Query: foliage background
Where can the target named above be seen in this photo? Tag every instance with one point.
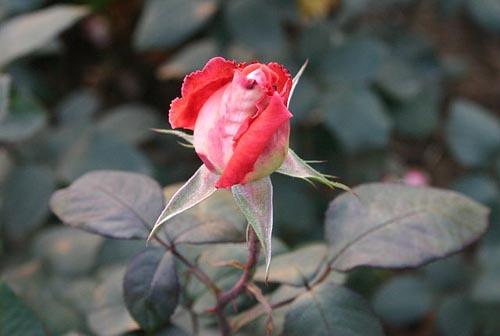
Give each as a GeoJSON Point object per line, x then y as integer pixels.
{"type": "Point", "coordinates": [394, 89]}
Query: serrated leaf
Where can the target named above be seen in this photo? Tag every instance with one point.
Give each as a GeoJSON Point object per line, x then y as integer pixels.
{"type": "Point", "coordinates": [255, 200]}
{"type": "Point", "coordinates": [114, 204]}
{"type": "Point", "coordinates": [151, 288]}
{"type": "Point", "coordinates": [200, 186]}
{"type": "Point", "coordinates": [15, 318]}
{"type": "Point", "coordinates": [328, 309]}
{"type": "Point", "coordinates": [166, 23]}
{"type": "Point", "coordinates": [26, 33]}
{"type": "Point", "coordinates": [393, 225]}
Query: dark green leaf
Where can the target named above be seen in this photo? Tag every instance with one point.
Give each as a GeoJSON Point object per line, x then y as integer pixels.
{"type": "Point", "coordinates": [403, 300]}
{"type": "Point", "coordinates": [15, 318]}
{"type": "Point", "coordinates": [130, 122]}
{"type": "Point", "coordinates": [472, 133]}
{"type": "Point", "coordinates": [329, 309]}
{"type": "Point", "coordinates": [350, 112]}
{"type": "Point", "coordinates": [67, 251]}
{"type": "Point", "coordinates": [151, 288]}
{"type": "Point", "coordinates": [398, 79]}
{"type": "Point", "coordinates": [296, 268]}
{"type": "Point", "coordinates": [78, 107]}
{"type": "Point", "coordinates": [418, 117]}
{"type": "Point", "coordinates": [108, 315]}
{"type": "Point", "coordinates": [110, 203]}
{"type": "Point", "coordinates": [485, 13]}
{"type": "Point", "coordinates": [166, 23]}
{"type": "Point", "coordinates": [4, 95]}
{"type": "Point", "coordinates": [357, 60]}
{"type": "Point", "coordinates": [26, 117]}
{"type": "Point", "coordinates": [393, 225]}
{"type": "Point", "coordinates": [250, 20]}
{"type": "Point", "coordinates": [26, 33]}
{"type": "Point", "coordinates": [456, 317]}
{"type": "Point", "coordinates": [98, 150]}
{"type": "Point", "coordinates": [26, 204]}
{"type": "Point", "coordinates": [480, 187]}
{"type": "Point", "coordinates": [190, 58]}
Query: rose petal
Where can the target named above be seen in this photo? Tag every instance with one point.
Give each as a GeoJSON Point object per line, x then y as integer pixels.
{"type": "Point", "coordinates": [284, 82]}
{"type": "Point", "coordinates": [253, 142]}
{"type": "Point", "coordinates": [197, 88]}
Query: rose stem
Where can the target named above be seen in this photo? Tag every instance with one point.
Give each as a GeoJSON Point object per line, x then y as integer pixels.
{"type": "Point", "coordinates": [224, 298]}
{"type": "Point", "coordinates": [198, 272]}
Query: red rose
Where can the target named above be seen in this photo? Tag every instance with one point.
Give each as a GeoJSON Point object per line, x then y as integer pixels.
{"type": "Point", "coordinates": [239, 116]}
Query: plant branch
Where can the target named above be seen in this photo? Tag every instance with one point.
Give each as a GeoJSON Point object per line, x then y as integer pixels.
{"type": "Point", "coordinates": [198, 272]}
{"type": "Point", "coordinates": [224, 298]}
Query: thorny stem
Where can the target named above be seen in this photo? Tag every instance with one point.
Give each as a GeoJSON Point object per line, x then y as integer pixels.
{"type": "Point", "coordinates": [224, 298]}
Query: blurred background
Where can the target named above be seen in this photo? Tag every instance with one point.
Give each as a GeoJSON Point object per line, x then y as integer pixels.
{"type": "Point", "coordinates": [395, 90]}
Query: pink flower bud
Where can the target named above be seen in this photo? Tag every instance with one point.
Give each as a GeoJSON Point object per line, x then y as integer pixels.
{"type": "Point", "coordinates": [239, 117]}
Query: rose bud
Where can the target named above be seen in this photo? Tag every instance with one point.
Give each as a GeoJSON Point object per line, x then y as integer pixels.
{"type": "Point", "coordinates": [239, 116]}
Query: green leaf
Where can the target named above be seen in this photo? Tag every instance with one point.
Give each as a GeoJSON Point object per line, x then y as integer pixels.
{"type": "Point", "coordinates": [486, 13]}
{"type": "Point", "coordinates": [96, 150]}
{"type": "Point", "coordinates": [130, 122]}
{"type": "Point", "coordinates": [108, 315]}
{"type": "Point", "coordinates": [151, 288]}
{"type": "Point", "coordinates": [296, 268]}
{"type": "Point", "coordinates": [215, 220]}
{"type": "Point", "coordinates": [399, 79]}
{"type": "Point", "coordinates": [393, 225]}
{"type": "Point", "coordinates": [349, 112]}
{"type": "Point", "coordinates": [4, 95]}
{"type": "Point", "coordinates": [456, 316]}
{"type": "Point", "coordinates": [67, 251]}
{"type": "Point", "coordinates": [191, 58]}
{"type": "Point", "coordinates": [26, 203]}
{"type": "Point", "coordinates": [328, 309]}
{"type": "Point", "coordinates": [113, 204]}
{"type": "Point", "coordinates": [403, 300]}
{"type": "Point", "coordinates": [78, 107]}
{"type": "Point", "coordinates": [166, 23]}
{"type": "Point", "coordinates": [25, 119]}
{"type": "Point", "coordinates": [26, 33]}
{"type": "Point", "coordinates": [480, 187]}
{"type": "Point", "coordinates": [472, 133]}
{"type": "Point", "coordinates": [256, 25]}
{"type": "Point", "coordinates": [418, 117]}
{"type": "Point", "coordinates": [199, 187]}
{"type": "Point", "coordinates": [255, 200]}
{"type": "Point", "coordinates": [356, 61]}
{"type": "Point", "coordinates": [15, 318]}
